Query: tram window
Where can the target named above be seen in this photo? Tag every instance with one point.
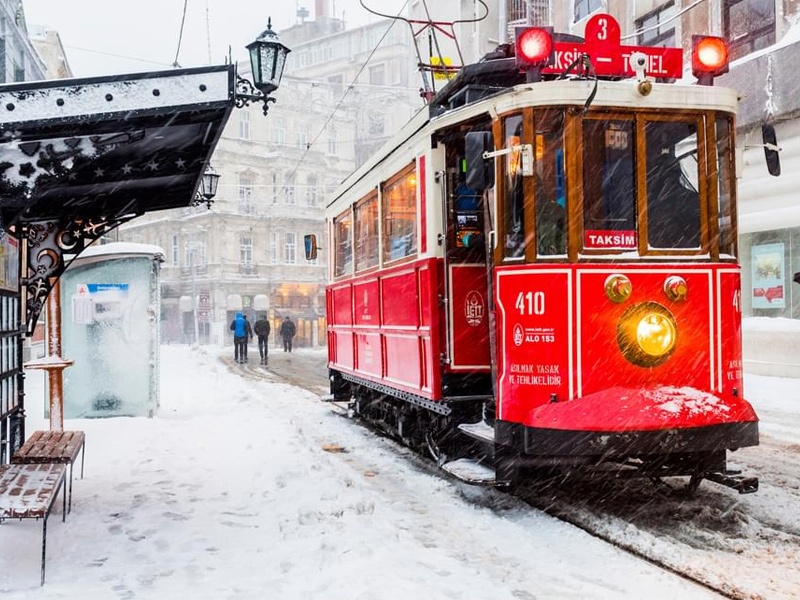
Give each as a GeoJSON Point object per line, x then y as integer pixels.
{"type": "Point", "coordinates": [725, 187]}
{"type": "Point", "coordinates": [400, 216]}
{"type": "Point", "coordinates": [366, 214]}
{"type": "Point", "coordinates": [551, 187]}
{"type": "Point", "coordinates": [673, 203]}
{"type": "Point", "coordinates": [343, 260]}
{"type": "Point", "coordinates": [514, 242]}
{"type": "Point", "coordinates": [609, 184]}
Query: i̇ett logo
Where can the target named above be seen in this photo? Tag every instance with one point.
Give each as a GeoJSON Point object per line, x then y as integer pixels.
{"type": "Point", "coordinates": [519, 334]}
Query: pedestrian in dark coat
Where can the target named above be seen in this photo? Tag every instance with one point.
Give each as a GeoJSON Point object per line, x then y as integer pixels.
{"type": "Point", "coordinates": [239, 327]}
{"type": "Point", "coordinates": [288, 330]}
{"type": "Point", "coordinates": [261, 329]}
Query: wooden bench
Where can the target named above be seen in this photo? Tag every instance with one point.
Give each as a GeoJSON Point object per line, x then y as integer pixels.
{"type": "Point", "coordinates": [29, 492]}
{"type": "Point", "coordinates": [58, 447]}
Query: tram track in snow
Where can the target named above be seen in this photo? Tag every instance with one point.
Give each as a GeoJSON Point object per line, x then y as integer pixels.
{"type": "Point", "coordinates": [602, 516]}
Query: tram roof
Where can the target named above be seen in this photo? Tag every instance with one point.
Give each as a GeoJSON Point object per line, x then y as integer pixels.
{"type": "Point", "coordinates": [610, 95]}
{"type": "Point", "coordinates": [109, 146]}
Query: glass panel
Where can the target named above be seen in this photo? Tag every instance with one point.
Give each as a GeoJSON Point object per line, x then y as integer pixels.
{"type": "Point", "coordinates": [343, 260]}
{"type": "Point", "coordinates": [367, 233]}
{"type": "Point", "coordinates": [514, 198]}
{"type": "Point", "coordinates": [673, 203]}
{"type": "Point", "coordinates": [725, 155]}
{"type": "Point", "coordinates": [399, 218]}
{"type": "Point", "coordinates": [551, 187]}
{"type": "Point", "coordinates": [609, 184]}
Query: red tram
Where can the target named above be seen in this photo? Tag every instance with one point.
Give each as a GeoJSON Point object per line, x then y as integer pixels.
{"type": "Point", "coordinates": [540, 270]}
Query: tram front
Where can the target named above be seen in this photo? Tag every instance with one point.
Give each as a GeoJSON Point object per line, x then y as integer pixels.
{"type": "Point", "coordinates": [616, 281]}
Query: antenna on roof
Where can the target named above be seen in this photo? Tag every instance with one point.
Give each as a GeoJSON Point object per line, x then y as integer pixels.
{"type": "Point", "coordinates": [439, 66]}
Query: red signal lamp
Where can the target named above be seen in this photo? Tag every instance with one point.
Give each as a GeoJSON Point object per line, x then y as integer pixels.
{"type": "Point", "coordinates": [709, 58]}
{"type": "Point", "coordinates": [534, 50]}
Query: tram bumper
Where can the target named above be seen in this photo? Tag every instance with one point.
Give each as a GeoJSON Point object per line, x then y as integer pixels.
{"type": "Point", "coordinates": [620, 423]}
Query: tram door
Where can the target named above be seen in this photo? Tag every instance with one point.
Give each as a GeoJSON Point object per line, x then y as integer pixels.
{"type": "Point", "coordinates": [465, 266]}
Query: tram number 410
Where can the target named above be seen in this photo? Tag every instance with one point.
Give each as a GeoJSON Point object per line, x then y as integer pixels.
{"type": "Point", "coordinates": [531, 303]}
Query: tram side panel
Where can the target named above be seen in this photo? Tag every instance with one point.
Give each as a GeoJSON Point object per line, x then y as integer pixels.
{"type": "Point", "coordinates": [385, 328]}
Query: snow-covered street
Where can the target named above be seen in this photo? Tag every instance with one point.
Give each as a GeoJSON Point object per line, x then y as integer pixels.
{"type": "Point", "coordinates": [248, 489]}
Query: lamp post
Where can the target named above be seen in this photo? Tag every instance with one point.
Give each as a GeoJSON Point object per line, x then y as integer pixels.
{"type": "Point", "coordinates": [208, 187]}
{"type": "Point", "coordinates": [267, 59]}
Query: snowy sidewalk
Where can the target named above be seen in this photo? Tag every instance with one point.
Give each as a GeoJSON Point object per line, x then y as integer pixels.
{"type": "Point", "coordinates": [228, 493]}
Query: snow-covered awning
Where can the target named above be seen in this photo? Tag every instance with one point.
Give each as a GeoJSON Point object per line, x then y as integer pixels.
{"type": "Point", "coordinates": [80, 156]}
{"type": "Point", "coordinates": [109, 146]}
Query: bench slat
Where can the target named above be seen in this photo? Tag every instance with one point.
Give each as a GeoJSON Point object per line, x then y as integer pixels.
{"type": "Point", "coordinates": [27, 490]}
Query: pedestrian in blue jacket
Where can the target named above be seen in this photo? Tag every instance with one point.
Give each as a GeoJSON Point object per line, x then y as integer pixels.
{"type": "Point", "coordinates": [239, 327]}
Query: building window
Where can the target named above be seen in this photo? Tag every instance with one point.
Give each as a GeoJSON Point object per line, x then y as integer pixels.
{"type": "Point", "coordinates": [290, 248]}
{"type": "Point", "coordinates": [749, 25]}
{"type": "Point", "coordinates": [376, 123]}
{"type": "Point", "coordinates": [279, 130]}
{"type": "Point", "coordinates": [655, 29]}
{"type": "Point", "coordinates": [400, 216]}
{"type": "Point", "coordinates": [331, 141]}
{"type": "Point", "coordinates": [273, 247]}
{"type": "Point", "coordinates": [377, 75]}
{"type": "Point", "coordinates": [540, 11]}
{"type": "Point", "coordinates": [288, 188]}
{"type": "Point", "coordinates": [311, 190]}
{"type": "Point", "coordinates": [301, 136]}
{"type": "Point", "coordinates": [246, 205]}
{"type": "Point", "coordinates": [244, 124]}
{"type": "Point", "coordinates": [274, 188]}
{"type": "Point", "coordinates": [583, 8]}
{"type": "Point", "coordinates": [176, 250]}
{"type": "Point", "coordinates": [246, 250]}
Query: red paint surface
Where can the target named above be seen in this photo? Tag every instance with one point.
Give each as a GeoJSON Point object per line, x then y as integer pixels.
{"type": "Point", "coordinates": [470, 317]}
{"type": "Point", "coordinates": [392, 328]}
{"type": "Point", "coordinates": [635, 409]}
{"type": "Point", "coordinates": [708, 347]}
{"type": "Point", "coordinates": [533, 342]}
{"type": "Point", "coordinates": [730, 327]}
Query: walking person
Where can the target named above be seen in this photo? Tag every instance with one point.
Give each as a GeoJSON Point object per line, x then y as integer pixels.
{"type": "Point", "coordinates": [248, 331]}
{"type": "Point", "coordinates": [288, 330]}
{"type": "Point", "coordinates": [239, 328]}
{"type": "Point", "coordinates": [261, 329]}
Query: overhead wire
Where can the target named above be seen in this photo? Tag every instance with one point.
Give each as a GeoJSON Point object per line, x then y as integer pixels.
{"type": "Point", "coordinates": [180, 35]}
{"type": "Point", "coordinates": [662, 23]}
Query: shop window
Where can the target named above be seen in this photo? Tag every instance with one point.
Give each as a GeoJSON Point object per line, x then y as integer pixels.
{"type": "Point", "coordinates": [366, 214]}
{"type": "Point", "coordinates": [400, 216]}
{"type": "Point", "coordinates": [749, 25]}
{"type": "Point", "coordinates": [343, 242]}
{"type": "Point", "coordinates": [657, 30]}
{"type": "Point", "coordinates": [673, 201]}
{"type": "Point", "coordinates": [513, 198]}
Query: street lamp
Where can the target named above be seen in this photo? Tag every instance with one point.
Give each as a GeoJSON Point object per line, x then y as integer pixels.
{"type": "Point", "coordinates": [267, 59]}
{"type": "Point", "coordinates": [208, 187]}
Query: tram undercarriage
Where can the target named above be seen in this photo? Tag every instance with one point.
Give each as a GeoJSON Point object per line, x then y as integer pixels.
{"type": "Point", "coordinates": [464, 440]}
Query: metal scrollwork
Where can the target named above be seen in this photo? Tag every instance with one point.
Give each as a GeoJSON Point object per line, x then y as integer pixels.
{"type": "Point", "coordinates": [246, 93]}
{"type": "Point", "coordinates": [47, 243]}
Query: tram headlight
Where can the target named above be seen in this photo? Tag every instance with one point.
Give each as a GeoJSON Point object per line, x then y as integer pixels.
{"type": "Point", "coordinates": [647, 334]}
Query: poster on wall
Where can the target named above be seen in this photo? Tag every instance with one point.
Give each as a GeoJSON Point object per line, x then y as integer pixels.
{"type": "Point", "coordinates": [9, 263]}
{"type": "Point", "coordinates": [768, 276]}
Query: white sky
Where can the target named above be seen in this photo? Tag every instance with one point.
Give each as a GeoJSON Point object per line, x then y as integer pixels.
{"type": "Point", "coordinates": [147, 30]}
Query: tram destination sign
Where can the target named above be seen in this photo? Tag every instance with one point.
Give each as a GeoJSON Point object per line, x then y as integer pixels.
{"type": "Point", "coordinates": [610, 58]}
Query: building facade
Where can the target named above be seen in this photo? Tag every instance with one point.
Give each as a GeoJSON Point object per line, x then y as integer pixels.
{"type": "Point", "coordinates": [19, 60]}
{"type": "Point", "coordinates": [246, 252]}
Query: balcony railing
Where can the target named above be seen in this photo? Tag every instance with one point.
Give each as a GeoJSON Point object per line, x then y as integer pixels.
{"type": "Point", "coordinates": [248, 270]}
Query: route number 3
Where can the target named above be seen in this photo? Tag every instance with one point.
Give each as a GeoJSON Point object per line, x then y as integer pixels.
{"type": "Point", "coordinates": [531, 303]}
